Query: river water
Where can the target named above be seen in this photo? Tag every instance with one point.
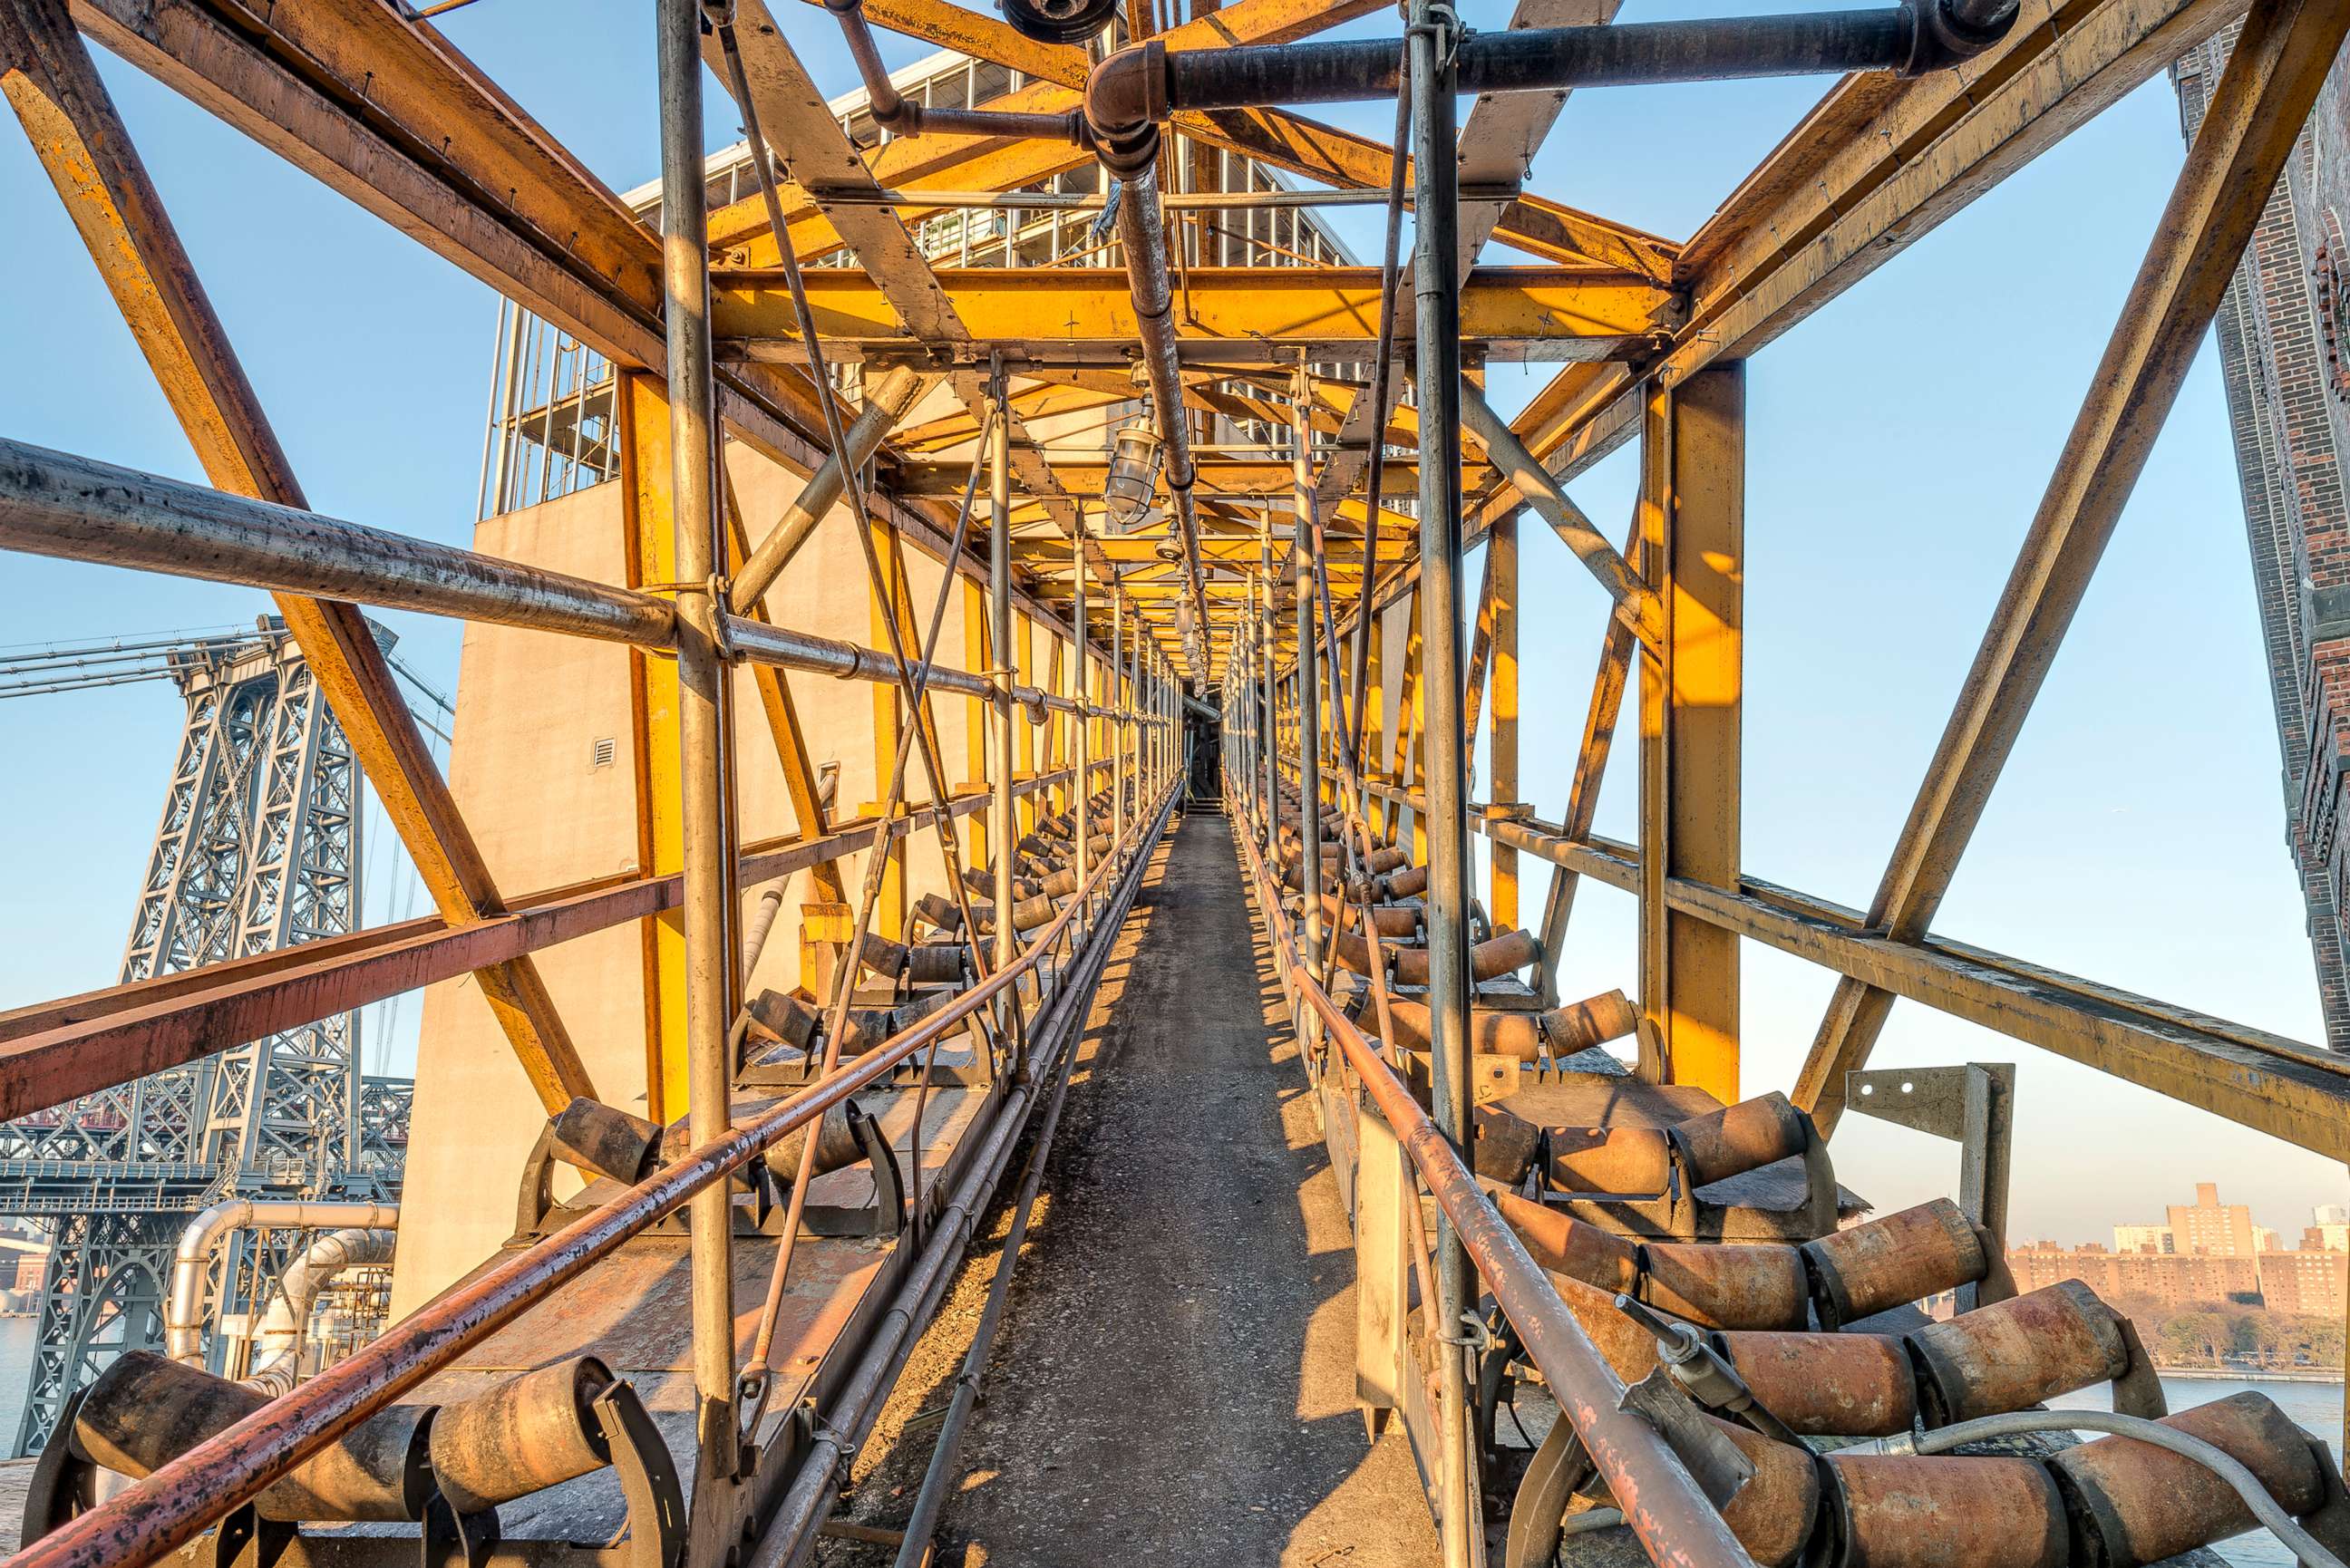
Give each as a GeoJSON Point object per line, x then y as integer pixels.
{"type": "Point", "coordinates": [2316, 1406]}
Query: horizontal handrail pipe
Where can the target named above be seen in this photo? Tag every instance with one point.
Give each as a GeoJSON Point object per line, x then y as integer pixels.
{"type": "Point", "coordinates": [76, 508]}
{"type": "Point", "coordinates": [1670, 1514]}
{"type": "Point", "coordinates": [178, 1502]}
{"type": "Point", "coordinates": [51, 1052]}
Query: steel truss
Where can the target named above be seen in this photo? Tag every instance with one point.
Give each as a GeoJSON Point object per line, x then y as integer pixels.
{"type": "Point", "coordinates": [714, 335]}
{"type": "Point", "coordinates": [257, 850]}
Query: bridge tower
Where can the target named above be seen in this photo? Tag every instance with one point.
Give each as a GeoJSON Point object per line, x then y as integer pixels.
{"type": "Point", "coordinates": [258, 848]}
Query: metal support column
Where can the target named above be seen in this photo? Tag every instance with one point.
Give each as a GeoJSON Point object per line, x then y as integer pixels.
{"type": "Point", "coordinates": [1437, 324]}
{"type": "Point", "coordinates": [708, 861]}
{"type": "Point", "coordinates": [999, 609]}
{"type": "Point", "coordinates": [1309, 682]}
{"type": "Point", "coordinates": [1081, 796]}
{"type": "Point", "coordinates": [1692, 540]}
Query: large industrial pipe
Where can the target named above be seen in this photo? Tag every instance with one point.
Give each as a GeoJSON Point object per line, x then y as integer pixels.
{"type": "Point", "coordinates": [1142, 234]}
{"type": "Point", "coordinates": [184, 1314]}
{"type": "Point", "coordinates": [77, 509]}
{"type": "Point", "coordinates": [1143, 84]}
{"type": "Point", "coordinates": [279, 1341]}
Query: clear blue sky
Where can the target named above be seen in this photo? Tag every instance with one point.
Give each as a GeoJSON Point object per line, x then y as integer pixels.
{"type": "Point", "coordinates": [1900, 440]}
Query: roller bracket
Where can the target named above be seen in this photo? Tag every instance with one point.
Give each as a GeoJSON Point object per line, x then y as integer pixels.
{"type": "Point", "coordinates": [1713, 1461]}
{"type": "Point", "coordinates": [648, 1479]}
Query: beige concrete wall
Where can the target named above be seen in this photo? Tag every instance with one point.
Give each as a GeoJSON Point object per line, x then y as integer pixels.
{"type": "Point", "coordinates": [530, 709]}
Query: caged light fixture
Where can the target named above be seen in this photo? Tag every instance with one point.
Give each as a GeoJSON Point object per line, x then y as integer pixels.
{"type": "Point", "coordinates": [1132, 482]}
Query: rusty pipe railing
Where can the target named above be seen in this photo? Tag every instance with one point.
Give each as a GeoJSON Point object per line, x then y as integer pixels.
{"type": "Point", "coordinates": [1674, 1522]}
{"type": "Point", "coordinates": [179, 1501]}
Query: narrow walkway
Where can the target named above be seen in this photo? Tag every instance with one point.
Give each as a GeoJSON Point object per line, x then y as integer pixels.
{"type": "Point", "coordinates": [1174, 1381]}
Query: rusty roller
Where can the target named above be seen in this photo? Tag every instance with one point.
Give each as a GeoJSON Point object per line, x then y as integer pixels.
{"type": "Point", "coordinates": [836, 1146]}
{"type": "Point", "coordinates": [1504, 1145]}
{"type": "Point", "coordinates": [938, 909]}
{"type": "Point", "coordinates": [1578, 1026]}
{"type": "Point", "coordinates": [2011, 1354]}
{"type": "Point", "coordinates": [1594, 1021]}
{"type": "Point", "coordinates": [1826, 1384]}
{"type": "Point", "coordinates": [1741, 1137]}
{"type": "Point", "coordinates": [935, 963]}
{"type": "Point", "coordinates": [1405, 882]}
{"type": "Point", "coordinates": [1775, 1513]}
{"type": "Point", "coordinates": [1489, 959]}
{"type": "Point", "coordinates": [145, 1411]}
{"type": "Point", "coordinates": [1029, 914]}
{"type": "Point", "coordinates": [1627, 1346]}
{"type": "Point", "coordinates": [1623, 1161]}
{"type": "Point", "coordinates": [1756, 1286]}
{"type": "Point", "coordinates": [1954, 1512]}
{"type": "Point", "coordinates": [529, 1433]}
{"type": "Point", "coordinates": [1567, 1246]}
{"type": "Point", "coordinates": [1886, 1263]}
{"type": "Point", "coordinates": [2135, 1503]}
{"type": "Point", "coordinates": [1393, 921]}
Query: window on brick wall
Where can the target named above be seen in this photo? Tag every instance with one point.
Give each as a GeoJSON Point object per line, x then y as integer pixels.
{"type": "Point", "coordinates": [2333, 313]}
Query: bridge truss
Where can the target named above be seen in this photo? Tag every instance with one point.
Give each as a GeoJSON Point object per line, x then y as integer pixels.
{"type": "Point", "coordinates": [1257, 578]}
{"type": "Point", "coordinates": [257, 850]}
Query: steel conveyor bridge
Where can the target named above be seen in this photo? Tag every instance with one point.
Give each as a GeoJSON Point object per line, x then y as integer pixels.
{"type": "Point", "coordinates": [969, 692]}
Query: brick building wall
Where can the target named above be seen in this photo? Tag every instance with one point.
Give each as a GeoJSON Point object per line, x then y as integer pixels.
{"type": "Point", "coordinates": [2283, 332]}
{"type": "Point", "coordinates": [2176, 1280]}
{"type": "Point", "coordinates": [2313, 1284]}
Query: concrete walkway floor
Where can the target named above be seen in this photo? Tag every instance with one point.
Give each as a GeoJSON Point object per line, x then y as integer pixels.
{"type": "Point", "coordinates": [1174, 1379]}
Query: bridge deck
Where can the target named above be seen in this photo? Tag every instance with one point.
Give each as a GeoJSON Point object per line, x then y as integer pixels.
{"type": "Point", "coordinates": [1176, 1369]}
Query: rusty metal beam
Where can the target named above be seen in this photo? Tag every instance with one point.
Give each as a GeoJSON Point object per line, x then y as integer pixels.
{"type": "Point", "coordinates": [53, 1051]}
{"type": "Point", "coordinates": [2256, 114]}
{"type": "Point", "coordinates": [69, 117]}
{"type": "Point", "coordinates": [1879, 163]}
{"type": "Point", "coordinates": [2283, 1087]}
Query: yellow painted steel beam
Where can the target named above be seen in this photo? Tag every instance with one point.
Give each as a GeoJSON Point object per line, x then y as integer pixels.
{"type": "Point", "coordinates": [1879, 163]}
{"type": "Point", "coordinates": [50, 81]}
{"type": "Point", "coordinates": [2256, 115]}
{"type": "Point", "coordinates": [1692, 532]}
{"type": "Point", "coordinates": [1242, 313]}
{"type": "Point", "coordinates": [649, 536]}
{"type": "Point", "coordinates": [990, 163]}
{"type": "Point", "coordinates": [2285, 1089]}
{"type": "Point", "coordinates": [1083, 473]}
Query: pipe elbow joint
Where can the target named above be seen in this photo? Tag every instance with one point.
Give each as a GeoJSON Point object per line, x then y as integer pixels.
{"type": "Point", "coordinates": [1125, 98]}
{"type": "Point", "coordinates": [1945, 33]}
